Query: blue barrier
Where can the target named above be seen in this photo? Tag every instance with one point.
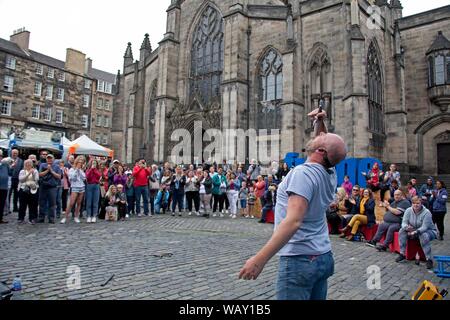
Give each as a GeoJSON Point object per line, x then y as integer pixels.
{"type": "Point", "coordinates": [351, 167]}
{"type": "Point", "coordinates": [347, 168]}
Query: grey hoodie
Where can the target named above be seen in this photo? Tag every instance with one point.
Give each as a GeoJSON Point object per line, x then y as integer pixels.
{"type": "Point", "coordinates": [422, 221]}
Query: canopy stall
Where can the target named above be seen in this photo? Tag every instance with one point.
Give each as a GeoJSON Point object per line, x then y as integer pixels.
{"type": "Point", "coordinates": [38, 140]}
{"type": "Point", "coordinates": [4, 144]}
{"type": "Point", "coordinates": [85, 146]}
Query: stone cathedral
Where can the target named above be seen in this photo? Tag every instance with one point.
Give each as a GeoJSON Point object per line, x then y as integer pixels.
{"type": "Point", "coordinates": [384, 79]}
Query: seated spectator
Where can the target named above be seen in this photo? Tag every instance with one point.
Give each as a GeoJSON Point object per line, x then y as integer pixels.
{"type": "Point", "coordinates": [121, 202]}
{"type": "Point", "coordinates": [417, 224]}
{"type": "Point", "coordinates": [347, 185]}
{"type": "Point", "coordinates": [412, 192]}
{"type": "Point", "coordinates": [162, 199]}
{"type": "Point", "coordinates": [110, 204]}
{"type": "Point", "coordinates": [353, 205]}
{"type": "Point", "coordinates": [391, 222]}
{"type": "Point", "coordinates": [270, 199]}
{"type": "Point", "coordinates": [366, 215]}
{"type": "Point", "coordinates": [338, 209]}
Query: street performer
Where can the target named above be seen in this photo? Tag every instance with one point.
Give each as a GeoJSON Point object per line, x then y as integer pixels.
{"type": "Point", "coordinates": [301, 233]}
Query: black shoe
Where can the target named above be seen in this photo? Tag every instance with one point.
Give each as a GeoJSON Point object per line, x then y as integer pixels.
{"type": "Point", "coordinates": [261, 221]}
{"type": "Point", "coordinates": [51, 221]}
{"type": "Point", "coordinates": [381, 248]}
{"type": "Point", "coordinates": [441, 238]}
{"type": "Point", "coordinates": [40, 221]}
{"type": "Point", "coordinates": [3, 222]}
{"type": "Point", "coordinates": [429, 264]}
{"type": "Point", "coordinates": [400, 258]}
{"type": "Point", "coordinates": [417, 262]}
{"type": "Point", "coordinates": [371, 243]}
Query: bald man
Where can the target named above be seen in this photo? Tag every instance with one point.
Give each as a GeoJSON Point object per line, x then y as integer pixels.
{"type": "Point", "coordinates": [301, 233]}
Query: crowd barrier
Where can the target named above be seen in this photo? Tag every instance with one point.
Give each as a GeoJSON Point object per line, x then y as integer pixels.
{"type": "Point", "coordinates": [352, 167]}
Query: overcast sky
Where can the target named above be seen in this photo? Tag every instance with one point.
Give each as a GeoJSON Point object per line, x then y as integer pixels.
{"type": "Point", "coordinates": [102, 28]}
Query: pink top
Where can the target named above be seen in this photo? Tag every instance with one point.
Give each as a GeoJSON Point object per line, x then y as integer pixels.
{"type": "Point", "coordinates": [65, 179]}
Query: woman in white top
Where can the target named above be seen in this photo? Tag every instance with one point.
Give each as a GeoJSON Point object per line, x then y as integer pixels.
{"type": "Point", "coordinates": [28, 192]}
{"type": "Point", "coordinates": [192, 193]}
{"type": "Point", "coordinates": [77, 177]}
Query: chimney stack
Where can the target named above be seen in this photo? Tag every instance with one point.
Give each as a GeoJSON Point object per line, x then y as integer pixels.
{"type": "Point", "coordinates": [75, 61]}
{"type": "Point", "coordinates": [88, 66]}
{"type": "Point", "coordinates": [21, 37]}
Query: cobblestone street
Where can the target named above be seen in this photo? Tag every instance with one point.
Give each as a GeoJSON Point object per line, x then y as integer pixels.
{"type": "Point", "coordinates": [206, 258]}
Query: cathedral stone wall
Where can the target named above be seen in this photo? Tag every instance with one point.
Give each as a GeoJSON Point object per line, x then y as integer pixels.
{"type": "Point", "coordinates": [332, 36]}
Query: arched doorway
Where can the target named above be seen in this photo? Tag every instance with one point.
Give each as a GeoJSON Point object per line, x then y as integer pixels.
{"type": "Point", "coordinates": [443, 152]}
{"type": "Point", "coordinates": [443, 158]}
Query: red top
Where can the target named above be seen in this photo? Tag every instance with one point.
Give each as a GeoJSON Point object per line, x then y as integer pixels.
{"type": "Point", "coordinates": [141, 176]}
{"type": "Point", "coordinates": [260, 189]}
{"type": "Point", "coordinates": [93, 176]}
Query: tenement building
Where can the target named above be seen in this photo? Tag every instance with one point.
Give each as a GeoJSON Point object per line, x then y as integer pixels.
{"type": "Point", "coordinates": [384, 79]}
{"type": "Point", "coordinates": [47, 94]}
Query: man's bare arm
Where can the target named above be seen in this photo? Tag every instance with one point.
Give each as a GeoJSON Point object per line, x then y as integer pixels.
{"type": "Point", "coordinates": [296, 210]}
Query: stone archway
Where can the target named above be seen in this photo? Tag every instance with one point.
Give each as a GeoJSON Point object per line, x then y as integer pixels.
{"type": "Point", "coordinates": [443, 152]}
{"type": "Point", "coordinates": [430, 134]}
{"type": "Point", "coordinates": [191, 124]}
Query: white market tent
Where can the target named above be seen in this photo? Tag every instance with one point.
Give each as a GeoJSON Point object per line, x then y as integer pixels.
{"type": "Point", "coordinates": [4, 143]}
{"type": "Point", "coordinates": [85, 146]}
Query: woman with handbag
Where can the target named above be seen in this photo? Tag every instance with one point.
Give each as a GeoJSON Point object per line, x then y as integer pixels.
{"type": "Point", "coordinates": [28, 195]}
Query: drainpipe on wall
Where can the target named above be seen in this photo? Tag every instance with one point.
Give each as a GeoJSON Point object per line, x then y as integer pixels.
{"type": "Point", "coordinates": [247, 160]}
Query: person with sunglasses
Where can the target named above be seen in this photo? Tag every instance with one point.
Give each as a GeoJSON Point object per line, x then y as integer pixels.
{"type": "Point", "coordinates": [301, 236]}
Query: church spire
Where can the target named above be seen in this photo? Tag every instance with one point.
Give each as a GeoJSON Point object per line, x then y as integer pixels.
{"type": "Point", "coordinates": [146, 49]}
{"type": "Point", "coordinates": [396, 4]}
{"type": "Point", "coordinates": [128, 57]}
{"type": "Point", "coordinates": [146, 43]}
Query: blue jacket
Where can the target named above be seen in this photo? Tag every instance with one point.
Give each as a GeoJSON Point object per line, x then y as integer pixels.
{"type": "Point", "coordinates": [440, 201]}
{"type": "Point", "coordinates": [159, 198]}
{"type": "Point", "coordinates": [5, 173]}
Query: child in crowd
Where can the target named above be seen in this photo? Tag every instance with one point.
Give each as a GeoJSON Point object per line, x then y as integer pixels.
{"type": "Point", "coordinates": [243, 193]}
{"type": "Point", "coordinates": [129, 190]}
{"type": "Point", "coordinates": [111, 204]}
{"type": "Point", "coordinates": [162, 199]}
{"type": "Point", "coordinates": [121, 200]}
{"type": "Point", "coordinates": [251, 200]}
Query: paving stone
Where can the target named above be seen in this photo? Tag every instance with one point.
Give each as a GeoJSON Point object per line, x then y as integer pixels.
{"type": "Point", "coordinates": [207, 257]}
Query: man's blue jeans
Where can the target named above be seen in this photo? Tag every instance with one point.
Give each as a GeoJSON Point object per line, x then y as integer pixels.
{"type": "Point", "coordinates": [47, 203]}
{"type": "Point", "coordinates": [304, 277]}
{"type": "Point", "coordinates": [92, 200]}
{"type": "Point", "coordinates": [138, 191]}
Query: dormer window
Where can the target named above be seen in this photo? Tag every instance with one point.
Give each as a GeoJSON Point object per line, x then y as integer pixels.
{"type": "Point", "coordinates": [439, 62]}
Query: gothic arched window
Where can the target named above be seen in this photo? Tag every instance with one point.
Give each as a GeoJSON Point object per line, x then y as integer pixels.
{"type": "Point", "coordinates": [271, 76]}
{"type": "Point", "coordinates": [207, 56]}
{"type": "Point", "coordinates": [375, 88]}
{"type": "Point", "coordinates": [271, 90]}
{"type": "Point", "coordinates": [320, 73]}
